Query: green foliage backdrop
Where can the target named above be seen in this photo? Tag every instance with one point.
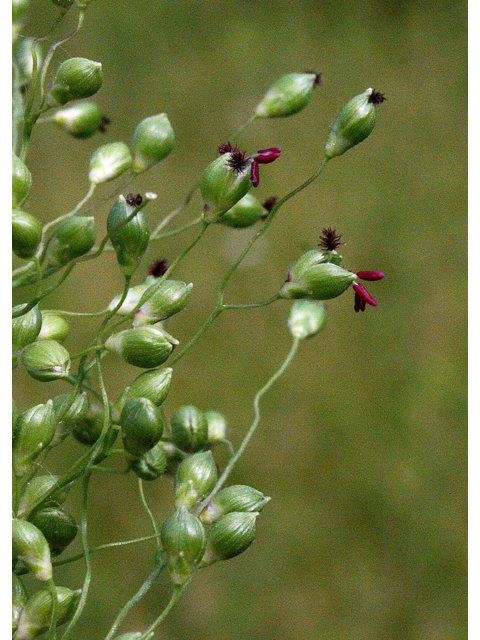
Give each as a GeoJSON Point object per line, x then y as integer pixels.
{"type": "Point", "coordinates": [363, 442]}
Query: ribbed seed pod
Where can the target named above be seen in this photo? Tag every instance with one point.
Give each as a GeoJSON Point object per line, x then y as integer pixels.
{"type": "Point", "coordinates": [26, 234]}
{"type": "Point", "coordinates": [142, 426]}
{"type": "Point", "coordinates": [37, 613]}
{"type": "Point", "coordinates": [26, 328]}
{"type": "Point", "coordinates": [58, 527]}
{"type": "Point", "coordinates": [87, 430]}
{"type": "Point", "coordinates": [21, 181]}
{"type": "Point", "coordinates": [71, 407]}
{"type": "Point", "coordinates": [80, 120]}
{"type": "Point", "coordinates": [34, 495]}
{"type": "Point", "coordinates": [246, 212]}
{"type": "Point", "coordinates": [108, 162]}
{"type": "Point", "coordinates": [306, 318]}
{"type": "Point", "coordinates": [169, 298]}
{"type": "Point", "coordinates": [130, 239]}
{"type": "Point", "coordinates": [35, 430]}
{"type": "Point", "coordinates": [153, 384]}
{"type": "Point", "coordinates": [19, 598]}
{"type": "Point", "coordinates": [311, 259]}
{"type": "Point", "coordinates": [232, 534]}
{"type": "Point", "coordinates": [152, 141]}
{"type": "Point", "coordinates": [183, 542]}
{"type": "Point", "coordinates": [46, 360]}
{"type": "Point", "coordinates": [145, 347]}
{"type": "Point", "coordinates": [30, 547]}
{"type": "Point", "coordinates": [76, 78]}
{"type": "Point", "coordinates": [54, 327]}
{"type": "Point", "coordinates": [238, 497]}
{"type": "Point", "coordinates": [320, 282]}
{"type": "Point", "coordinates": [222, 185]}
{"type": "Point", "coordinates": [195, 478]}
{"type": "Point", "coordinates": [71, 239]}
{"type": "Point", "coordinates": [152, 464]}
{"type": "Point", "coordinates": [287, 95]}
{"type": "Point", "coordinates": [189, 428]}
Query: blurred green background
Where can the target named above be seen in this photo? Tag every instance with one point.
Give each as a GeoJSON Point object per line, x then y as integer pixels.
{"type": "Point", "coordinates": [362, 444]}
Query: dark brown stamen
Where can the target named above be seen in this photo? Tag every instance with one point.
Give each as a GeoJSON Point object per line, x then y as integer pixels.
{"type": "Point", "coordinates": [329, 239]}
{"type": "Point", "coordinates": [237, 160]}
{"type": "Point", "coordinates": [134, 200]}
{"type": "Point", "coordinates": [376, 97]}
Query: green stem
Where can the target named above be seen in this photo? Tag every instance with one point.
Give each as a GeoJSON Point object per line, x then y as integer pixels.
{"type": "Point", "coordinates": [244, 125]}
{"type": "Point", "coordinates": [53, 616]}
{"type": "Point", "coordinates": [151, 517]}
{"type": "Point", "coordinates": [176, 211]}
{"type": "Point", "coordinates": [175, 232]}
{"type": "Point", "coordinates": [253, 305]}
{"type": "Point", "coordinates": [176, 595]}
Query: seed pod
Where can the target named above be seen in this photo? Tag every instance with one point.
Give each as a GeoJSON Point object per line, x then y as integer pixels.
{"type": "Point", "coordinates": [34, 495]}
{"type": "Point", "coordinates": [354, 122]}
{"type": "Point", "coordinates": [71, 239]}
{"type": "Point", "coordinates": [216, 426]}
{"type": "Point", "coordinates": [229, 536]}
{"type": "Point", "coordinates": [30, 547]}
{"type": "Point", "coordinates": [152, 464]}
{"type": "Point", "coordinates": [25, 329]}
{"type": "Point", "coordinates": [37, 613]}
{"type": "Point", "coordinates": [76, 78]}
{"type": "Point", "coordinates": [19, 598]}
{"type": "Point", "coordinates": [169, 298]}
{"type": "Point", "coordinates": [189, 428]}
{"type": "Point", "coordinates": [287, 95]}
{"type": "Point", "coordinates": [54, 327]}
{"type": "Point", "coordinates": [46, 360]}
{"type": "Point", "coordinates": [109, 162]}
{"type": "Point", "coordinates": [71, 407]}
{"type": "Point", "coordinates": [21, 181]}
{"type": "Point", "coordinates": [58, 527]}
{"type": "Point", "coordinates": [142, 426]}
{"type": "Point", "coordinates": [132, 298]}
{"type": "Point", "coordinates": [238, 498]}
{"type": "Point", "coordinates": [183, 542]}
{"type": "Point", "coordinates": [145, 347]}
{"type": "Point", "coordinates": [80, 120]}
{"type": "Point", "coordinates": [26, 233]}
{"type": "Point", "coordinates": [130, 239]}
{"type": "Point", "coordinates": [152, 141]}
{"type": "Point", "coordinates": [153, 384]}
{"type": "Point", "coordinates": [306, 318]}
{"type": "Point", "coordinates": [35, 431]}
{"type": "Point", "coordinates": [245, 213]}
{"type": "Point", "coordinates": [195, 478]}
{"type": "Point", "coordinates": [310, 259]}
{"type": "Point", "coordinates": [320, 282]}
{"type": "Point", "coordinates": [223, 185]}
{"type": "Point", "coordinates": [88, 429]}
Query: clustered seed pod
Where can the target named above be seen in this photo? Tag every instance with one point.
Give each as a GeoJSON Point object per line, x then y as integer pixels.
{"type": "Point", "coordinates": [30, 547]}
{"type": "Point", "coordinates": [195, 478]}
{"type": "Point", "coordinates": [216, 426]}
{"type": "Point", "coordinates": [152, 464]}
{"type": "Point", "coordinates": [26, 328]}
{"type": "Point", "coordinates": [169, 298]}
{"type": "Point", "coordinates": [37, 613]}
{"type": "Point", "coordinates": [35, 430]}
{"type": "Point", "coordinates": [129, 239]}
{"type": "Point", "coordinates": [246, 212]}
{"type": "Point", "coordinates": [288, 95]}
{"type": "Point", "coordinates": [237, 497]}
{"type": "Point", "coordinates": [306, 318]}
{"type": "Point", "coordinates": [142, 426]}
{"type": "Point", "coordinates": [152, 141]}
{"type": "Point", "coordinates": [183, 542]}
{"type": "Point", "coordinates": [80, 120]}
{"type": "Point", "coordinates": [34, 495]}
{"type": "Point", "coordinates": [46, 360]}
{"type": "Point", "coordinates": [88, 428]}
{"type": "Point", "coordinates": [320, 281]}
{"type": "Point", "coordinates": [109, 162]}
{"type": "Point", "coordinates": [19, 598]}
{"type": "Point", "coordinates": [58, 527]}
{"type": "Point", "coordinates": [54, 327]}
{"type": "Point", "coordinates": [223, 185]}
{"type": "Point", "coordinates": [21, 181]}
{"type": "Point", "coordinates": [71, 239]}
{"type": "Point", "coordinates": [232, 534]}
{"type": "Point", "coordinates": [189, 428]}
{"type": "Point", "coordinates": [76, 78]}
{"type": "Point", "coordinates": [145, 347]}
{"type": "Point", "coordinates": [26, 233]}
{"type": "Point", "coordinates": [153, 384]}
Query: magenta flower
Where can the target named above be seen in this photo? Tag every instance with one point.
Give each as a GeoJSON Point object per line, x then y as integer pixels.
{"type": "Point", "coordinates": [362, 297]}
{"type": "Point", "coordinates": [265, 156]}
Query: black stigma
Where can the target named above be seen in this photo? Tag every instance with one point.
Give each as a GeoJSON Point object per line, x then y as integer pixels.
{"type": "Point", "coordinates": [376, 97]}
{"type": "Point", "coordinates": [158, 268]}
{"type": "Point", "coordinates": [134, 200]}
{"type": "Point", "coordinates": [237, 160]}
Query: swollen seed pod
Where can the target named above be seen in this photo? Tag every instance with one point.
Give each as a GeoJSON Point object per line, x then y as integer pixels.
{"type": "Point", "coordinates": [26, 233]}
{"type": "Point", "coordinates": [19, 598]}
{"type": "Point", "coordinates": [129, 239]}
{"type": "Point", "coordinates": [152, 464]}
{"type": "Point", "coordinates": [229, 536]}
{"type": "Point", "coordinates": [354, 123]}
{"type": "Point", "coordinates": [145, 347]}
{"type": "Point", "coordinates": [71, 239]}
{"type": "Point", "coordinates": [34, 495]}
{"type": "Point", "coordinates": [246, 212]}
{"type": "Point", "coordinates": [71, 407]}
{"type": "Point", "coordinates": [238, 498]}
{"type": "Point", "coordinates": [310, 259]}
{"type": "Point", "coordinates": [152, 141]}
{"type": "Point", "coordinates": [46, 360]}
{"type": "Point", "coordinates": [195, 478]}
{"type": "Point", "coordinates": [80, 120]}
{"type": "Point", "coordinates": [183, 542]}
{"type": "Point", "coordinates": [223, 185]}
{"type": "Point", "coordinates": [37, 613]}
{"type": "Point", "coordinates": [88, 429]}
{"type": "Point", "coordinates": [30, 547]}
{"type": "Point", "coordinates": [21, 181]}
{"type": "Point", "coordinates": [320, 282]}
{"type": "Point", "coordinates": [117, 407]}
{"type": "Point", "coordinates": [26, 328]}
{"type": "Point", "coordinates": [169, 298]}
{"type": "Point", "coordinates": [58, 527]}
{"type": "Point", "coordinates": [216, 426]}
{"type": "Point", "coordinates": [35, 430]}
{"type": "Point", "coordinates": [153, 385]}
{"type": "Point", "coordinates": [109, 162]}
{"type": "Point", "coordinates": [306, 318]}
{"type": "Point", "coordinates": [142, 426]}
{"type": "Point", "coordinates": [189, 428]}
{"type": "Point", "coordinates": [287, 95]}
{"type": "Point", "coordinates": [54, 327]}
{"type": "Point", "coordinates": [76, 78]}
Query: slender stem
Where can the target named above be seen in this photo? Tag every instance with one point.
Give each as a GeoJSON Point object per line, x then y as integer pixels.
{"type": "Point", "coordinates": [176, 595]}
{"type": "Point", "coordinates": [176, 211]}
{"type": "Point", "coordinates": [253, 305]}
{"type": "Point", "coordinates": [244, 125]}
{"type": "Point", "coordinates": [53, 614]}
{"type": "Point", "coordinates": [174, 232]}
{"type": "Point", "coordinates": [151, 517]}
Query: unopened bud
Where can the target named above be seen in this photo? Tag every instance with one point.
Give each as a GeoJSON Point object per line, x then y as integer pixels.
{"type": "Point", "coordinates": [246, 212]}
{"type": "Point", "coordinates": [21, 181]}
{"type": "Point", "coordinates": [58, 527]}
{"type": "Point", "coordinates": [80, 120]}
{"type": "Point", "coordinates": [306, 318]}
{"type": "Point", "coordinates": [288, 95]}
{"type": "Point", "coordinates": [71, 239]}
{"type": "Point", "coordinates": [189, 428]}
{"type": "Point", "coordinates": [46, 360]}
{"type": "Point", "coordinates": [238, 498]}
{"type": "Point", "coordinates": [54, 327]}
{"type": "Point", "coordinates": [152, 464]}
{"type": "Point", "coordinates": [153, 385]}
{"type": "Point", "coordinates": [26, 328]}
{"type": "Point", "coordinates": [145, 347]}
{"type": "Point", "coordinates": [169, 298]}
{"type": "Point", "coordinates": [37, 614]}
{"type": "Point", "coordinates": [26, 233]}
{"type": "Point", "coordinates": [142, 426]}
{"type": "Point", "coordinates": [35, 430]}
{"type": "Point", "coordinates": [195, 478]}
{"type": "Point", "coordinates": [216, 426]}
{"type": "Point", "coordinates": [224, 182]}
{"type": "Point", "coordinates": [30, 547]}
{"type": "Point", "coordinates": [232, 534]}
{"type": "Point", "coordinates": [183, 542]}
{"type": "Point", "coordinates": [76, 78]}
{"type": "Point", "coordinates": [129, 239]}
{"type": "Point", "coordinates": [152, 141]}
{"type": "Point", "coordinates": [109, 162]}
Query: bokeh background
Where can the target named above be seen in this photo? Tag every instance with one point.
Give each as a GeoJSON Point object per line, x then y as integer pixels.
{"type": "Point", "coordinates": [362, 444]}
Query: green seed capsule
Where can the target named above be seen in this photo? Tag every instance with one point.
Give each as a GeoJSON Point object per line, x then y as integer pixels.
{"type": "Point", "coordinates": [238, 498]}
{"type": "Point", "coordinates": [34, 495]}
{"type": "Point", "coordinates": [306, 318]}
{"type": "Point", "coordinates": [320, 282]}
{"type": "Point", "coordinates": [130, 239]}
{"type": "Point", "coordinates": [26, 328]}
{"type": "Point", "coordinates": [19, 598]}
{"type": "Point", "coordinates": [246, 212]}
{"type": "Point", "coordinates": [21, 181]}
{"type": "Point", "coordinates": [153, 384]}
{"type": "Point", "coordinates": [152, 464]}
{"type": "Point", "coordinates": [183, 542]}
{"type": "Point", "coordinates": [152, 141]}
{"type": "Point", "coordinates": [109, 162]}
{"type": "Point", "coordinates": [35, 430]}
{"type": "Point", "coordinates": [37, 613]}
{"type": "Point", "coordinates": [71, 239]}
{"type": "Point", "coordinates": [58, 527]}
{"type": "Point", "coordinates": [195, 478]}
{"type": "Point", "coordinates": [80, 120]}
{"type": "Point", "coordinates": [287, 95]}
{"type": "Point", "coordinates": [189, 428]}
{"type": "Point", "coordinates": [54, 327]}
{"type": "Point", "coordinates": [76, 78]}
{"type": "Point", "coordinates": [26, 234]}
{"type": "Point", "coordinates": [169, 298]}
{"type": "Point", "coordinates": [30, 547]}
{"type": "Point", "coordinates": [46, 360]}
{"type": "Point", "coordinates": [71, 407]}
{"type": "Point", "coordinates": [229, 536]}
{"type": "Point", "coordinates": [216, 425]}
{"type": "Point", "coordinates": [142, 426]}
{"type": "Point", "coordinates": [145, 347]}
{"type": "Point", "coordinates": [222, 186]}
{"type": "Point", "coordinates": [89, 428]}
{"type": "Point", "coordinates": [310, 259]}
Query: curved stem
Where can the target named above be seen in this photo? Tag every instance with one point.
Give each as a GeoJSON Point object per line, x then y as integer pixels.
{"type": "Point", "coordinates": [176, 595]}
{"type": "Point", "coordinates": [244, 125]}
{"type": "Point", "coordinates": [174, 232]}
{"type": "Point", "coordinates": [150, 516]}
{"type": "Point", "coordinates": [253, 305]}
